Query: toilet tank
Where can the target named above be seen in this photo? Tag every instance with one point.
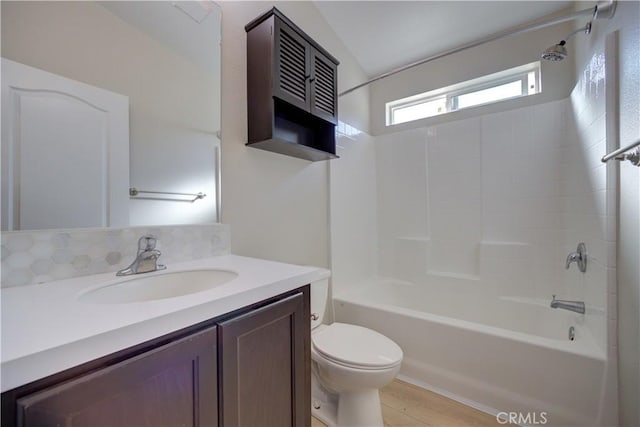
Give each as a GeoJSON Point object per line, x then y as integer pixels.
{"type": "Point", "coordinates": [319, 296]}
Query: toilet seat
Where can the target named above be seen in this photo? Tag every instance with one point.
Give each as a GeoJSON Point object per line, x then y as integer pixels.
{"type": "Point", "coordinates": [356, 347]}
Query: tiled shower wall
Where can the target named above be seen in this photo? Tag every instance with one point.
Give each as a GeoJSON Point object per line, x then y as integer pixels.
{"type": "Point", "coordinates": [590, 200]}
{"type": "Point", "coordinates": [498, 201]}
{"type": "Point", "coordinates": [30, 257]}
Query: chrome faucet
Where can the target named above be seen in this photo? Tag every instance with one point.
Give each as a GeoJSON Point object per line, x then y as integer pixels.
{"type": "Point", "coordinates": [577, 306]}
{"type": "Point", "coordinates": [146, 259]}
{"type": "Point", "coordinates": [579, 257]}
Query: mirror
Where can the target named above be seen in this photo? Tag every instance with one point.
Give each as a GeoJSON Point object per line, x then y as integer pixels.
{"type": "Point", "coordinates": [164, 57]}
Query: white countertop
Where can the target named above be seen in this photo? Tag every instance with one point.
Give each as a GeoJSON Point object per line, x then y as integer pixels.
{"type": "Point", "coordinates": [45, 329]}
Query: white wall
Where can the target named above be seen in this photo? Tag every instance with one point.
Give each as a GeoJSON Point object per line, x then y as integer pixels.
{"type": "Point", "coordinates": [627, 294]}
{"type": "Point", "coordinates": [557, 79]}
{"type": "Point", "coordinates": [277, 206]}
{"type": "Point", "coordinates": [174, 103]}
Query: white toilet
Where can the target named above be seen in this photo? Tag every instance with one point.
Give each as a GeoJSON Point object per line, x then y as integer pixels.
{"type": "Point", "coordinates": [349, 364]}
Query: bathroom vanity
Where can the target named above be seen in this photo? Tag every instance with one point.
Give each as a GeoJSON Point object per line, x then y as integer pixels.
{"type": "Point", "coordinates": [238, 354]}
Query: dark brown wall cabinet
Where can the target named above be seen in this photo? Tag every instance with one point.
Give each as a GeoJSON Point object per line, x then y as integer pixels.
{"type": "Point", "coordinates": [250, 368]}
{"type": "Point", "coordinates": [291, 89]}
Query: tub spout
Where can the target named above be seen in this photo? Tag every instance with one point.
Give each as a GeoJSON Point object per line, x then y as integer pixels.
{"type": "Point", "coordinates": [576, 306]}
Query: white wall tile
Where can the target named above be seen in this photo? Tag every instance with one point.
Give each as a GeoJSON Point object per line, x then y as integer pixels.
{"type": "Point", "coordinates": [592, 201]}
{"type": "Point", "coordinates": [355, 211]}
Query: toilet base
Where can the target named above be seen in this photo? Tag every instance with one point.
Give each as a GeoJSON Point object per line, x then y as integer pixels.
{"type": "Point", "coordinates": [360, 409]}
{"type": "Point", "coordinates": [348, 409]}
{"type": "Point", "coordinates": [324, 404]}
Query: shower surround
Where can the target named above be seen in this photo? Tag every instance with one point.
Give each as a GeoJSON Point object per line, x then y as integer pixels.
{"type": "Point", "coordinates": [481, 213]}
{"type": "Point", "coordinates": [480, 198]}
{"type": "Point", "coordinates": [499, 201]}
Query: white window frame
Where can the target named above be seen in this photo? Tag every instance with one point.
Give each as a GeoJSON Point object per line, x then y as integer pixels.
{"type": "Point", "coordinates": [451, 93]}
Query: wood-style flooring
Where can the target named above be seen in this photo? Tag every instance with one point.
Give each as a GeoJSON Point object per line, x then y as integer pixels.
{"type": "Point", "coordinates": [406, 405]}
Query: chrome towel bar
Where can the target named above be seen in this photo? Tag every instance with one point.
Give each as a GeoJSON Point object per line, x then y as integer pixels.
{"type": "Point", "coordinates": [134, 193]}
{"type": "Point", "coordinates": [621, 154]}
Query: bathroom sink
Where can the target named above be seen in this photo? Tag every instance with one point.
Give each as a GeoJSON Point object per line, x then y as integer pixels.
{"type": "Point", "coordinates": [148, 288]}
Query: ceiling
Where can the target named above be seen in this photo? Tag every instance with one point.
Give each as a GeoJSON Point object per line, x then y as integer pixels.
{"type": "Point", "coordinates": [383, 35]}
{"type": "Point", "coordinates": [190, 28]}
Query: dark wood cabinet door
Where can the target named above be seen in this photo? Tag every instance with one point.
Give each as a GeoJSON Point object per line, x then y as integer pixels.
{"type": "Point", "coordinates": [292, 69]}
{"type": "Point", "coordinates": [172, 385]}
{"type": "Point", "coordinates": [324, 81]}
{"type": "Point", "coordinates": [265, 366]}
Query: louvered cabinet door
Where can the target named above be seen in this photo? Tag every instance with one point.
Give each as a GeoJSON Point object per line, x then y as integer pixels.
{"type": "Point", "coordinates": [324, 79]}
{"type": "Point", "coordinates": [291, 90]}
{"type": "Point", "coordinates": [292, 67]}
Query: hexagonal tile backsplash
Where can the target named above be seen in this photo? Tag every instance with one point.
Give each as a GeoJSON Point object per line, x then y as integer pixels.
{"type": "Point", "coordinates": [30, 257]}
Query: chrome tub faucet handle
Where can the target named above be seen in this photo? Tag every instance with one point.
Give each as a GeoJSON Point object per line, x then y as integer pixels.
{"type": "Point", "coordinates": [579, 257]}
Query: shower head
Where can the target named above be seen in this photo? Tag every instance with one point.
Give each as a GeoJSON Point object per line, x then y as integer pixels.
{"type": "Point", "coordinates": [559, 51]}
{"type": "Point", "coordinates": [556, 52]}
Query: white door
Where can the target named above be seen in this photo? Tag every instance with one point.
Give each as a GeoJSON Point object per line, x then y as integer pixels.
{"type": "Point", "coordinates": [65, 152]}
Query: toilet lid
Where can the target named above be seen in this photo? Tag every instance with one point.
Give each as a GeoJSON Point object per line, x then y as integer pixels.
{"type": "Point", "coordinates": [356, 346]}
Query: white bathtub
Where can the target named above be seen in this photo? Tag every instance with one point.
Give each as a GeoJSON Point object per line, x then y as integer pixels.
{"type": "Point", "coordinates": [499, 354]}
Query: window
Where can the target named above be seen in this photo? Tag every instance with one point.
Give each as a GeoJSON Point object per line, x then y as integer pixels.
{"type": "Point", "coordinates": [508, 84]}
